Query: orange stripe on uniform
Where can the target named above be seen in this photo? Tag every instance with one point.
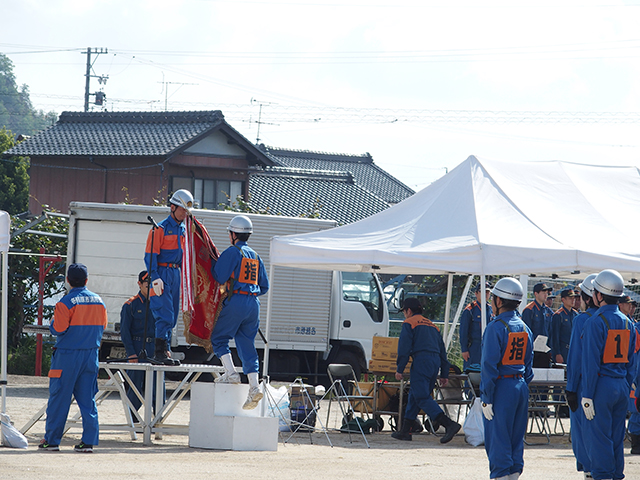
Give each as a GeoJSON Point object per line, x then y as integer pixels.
{"type": "Point", "coordinates": [55, 373]}
{"type": "Point", "coordinates": [61, 317]}
{"type": "Point", "coordinates": [89, 315]}
{"type": "Point", "coordinates": [158, 238]}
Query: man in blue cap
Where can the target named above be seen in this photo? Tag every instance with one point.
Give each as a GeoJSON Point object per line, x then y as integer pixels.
{"type": "Point", "coordinates": [471, 330]}
{"type": "Point", "coordinates": [79, 319]}
{"type": "Point", "coordinates": [420, 339]}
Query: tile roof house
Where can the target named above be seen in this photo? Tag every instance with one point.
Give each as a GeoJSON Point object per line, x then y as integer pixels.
{"type": "Point", "coordinates": [113, 157]}
{"type": "Point", "coordinates": [365, 173]}
{"type": "Point", "coordinates": [331, 195]}
{"type": "Point", "coordinates": [138, 157]}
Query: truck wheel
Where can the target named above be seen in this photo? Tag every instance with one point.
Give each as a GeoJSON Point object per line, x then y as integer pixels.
{"type": "Point", "coordinates": [352, 359]}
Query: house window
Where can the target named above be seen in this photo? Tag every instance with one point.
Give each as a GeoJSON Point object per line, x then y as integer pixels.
{"type": "Point", "coordinates": [209, 193]}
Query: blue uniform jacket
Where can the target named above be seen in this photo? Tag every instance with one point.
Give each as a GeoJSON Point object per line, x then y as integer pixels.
{"type": "Point", "coordinates": [574, 360]}
{"type": "Point", "coordinates": [594, 337]}
{"type": "Point", "coordinates": [132, 324]}
{"type": "Point", "coordinates": [471, 330]}
{"type": "Point", "coordinates": [561, 327]}
{"type": "Point", "coordinates": [494, 345]}
{"type": "Point", "coordinates": [79, 319]}
{"type": "Point", "coordinates": [538, 318]}
{"type": "Point", "coordinates": [167, 246]}
{"type": "Point", "coordinates": [420, 336]}
{"type": "Point", "coordinates": [229, 265]}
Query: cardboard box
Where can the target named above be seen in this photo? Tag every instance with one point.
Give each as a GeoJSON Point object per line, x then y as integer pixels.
{"type": "Point", "coordinates": [384, 366]}
{"type": "Point", "coordinates": [298, 399]}
{"type": "Point", "coordinates": [385, 348]}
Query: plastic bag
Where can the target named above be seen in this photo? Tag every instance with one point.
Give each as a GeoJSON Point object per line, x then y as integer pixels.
{"type": "Point", "coordinates": [474, 425]}
{"type": "Point", "coordinates": [278, 405]}
{"type": "Point", "coordinates": [11, 437]}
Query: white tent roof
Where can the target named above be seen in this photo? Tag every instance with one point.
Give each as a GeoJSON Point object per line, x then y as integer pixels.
{"type": "Point", "coordinates": [491, 217]}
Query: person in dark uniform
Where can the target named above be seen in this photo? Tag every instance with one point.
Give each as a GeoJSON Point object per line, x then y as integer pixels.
{"type": "Point", "coordinates": [574, 377]}
{"type": "Point", "coordinates": [79, 319]}
{"type": "Point", "coordinates": [471, 330]}
{"type": "Point", "coordinates": [608, 370]}
{"type": "Point", "coordinates": [507, 358]}
{"type": "Point", "coordinates": [133, 334]}
{"type": "Point", "coordinates": [420, 339]}
{"type": "Point", "coordinates": [561, 326]}
{"type": "Point", "coordinates": [628, 307]}
{"type": "Point", "coordinates": [537, 316]}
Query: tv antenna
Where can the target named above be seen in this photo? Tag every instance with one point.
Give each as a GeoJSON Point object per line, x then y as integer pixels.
{"type": "Point", "coordinates": [165, 87]}
{"type": "Point", "coordinates": [100, 96]}
{"type": "Point", "coordinates": [260, 122]}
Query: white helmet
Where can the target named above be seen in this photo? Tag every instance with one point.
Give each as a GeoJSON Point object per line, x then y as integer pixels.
{"type": "Point", "coordinates": [609, 282]}
{"type": "Point", "coordinates": [508, 288]}
{"type": "Point", "coordinates": [587, 284]}
{"type": "Point", "coordinates": [240, 224]}
{"type": "Point", "coordinates": [182, 198]}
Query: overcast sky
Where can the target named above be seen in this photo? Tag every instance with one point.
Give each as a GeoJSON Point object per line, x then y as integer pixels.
{"type": "Point", "coordinates": [420, 85]}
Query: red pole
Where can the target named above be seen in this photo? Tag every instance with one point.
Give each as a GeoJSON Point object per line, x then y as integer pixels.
{"type": "Point", "coordinates": [42, 274]}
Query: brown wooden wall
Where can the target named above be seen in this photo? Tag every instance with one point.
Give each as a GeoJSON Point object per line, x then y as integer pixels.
{"type": "Point", "coordinates": [57, 181]}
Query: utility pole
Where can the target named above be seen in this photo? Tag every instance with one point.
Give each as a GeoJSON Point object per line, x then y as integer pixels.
{"type": "Point", "coordinates": [88, 74]}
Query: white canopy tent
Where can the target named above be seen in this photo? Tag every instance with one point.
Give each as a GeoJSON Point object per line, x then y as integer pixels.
{"type": "Point", "coordinates": [5, 235]}
{"type": "Point", "coordinates": [489, 217]}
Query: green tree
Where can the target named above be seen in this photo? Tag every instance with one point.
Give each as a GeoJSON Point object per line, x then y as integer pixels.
{"type": "Point", "coordinates": [23, 289]}
{"type": "Point", "coordinates": [14, 178]}
{"type": "Point", "coordinates": [16, 111]}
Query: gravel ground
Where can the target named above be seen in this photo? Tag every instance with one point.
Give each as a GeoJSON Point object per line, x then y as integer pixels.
{"type": "Point", "coordinates": [118, 456]}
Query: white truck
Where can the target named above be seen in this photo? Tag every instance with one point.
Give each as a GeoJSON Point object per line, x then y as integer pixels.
{"type": "Point", "coordinates": [317, 317]}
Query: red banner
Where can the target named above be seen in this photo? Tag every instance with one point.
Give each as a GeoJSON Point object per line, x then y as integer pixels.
{"type": "Point", "coordinates": [208, 296]}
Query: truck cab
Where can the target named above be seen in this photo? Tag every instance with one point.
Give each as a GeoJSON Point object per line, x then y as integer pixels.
{"type": "Point", "coordinates": [358, 313]}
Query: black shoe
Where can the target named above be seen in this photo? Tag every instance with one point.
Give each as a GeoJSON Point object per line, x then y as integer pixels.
{"type": "Point", "coordinates": [450, 427]}
{"type": "Point", "coordinates": [47, 447]}
{"type": "Point", "coordinates": [635, 444]}
{"type": "Point", "coordinates": [415, 427]}
{"type": "Point", "coordinates": [160, 357]}
{"type": "Point", "coordinates": [402, 436]}
{"type": "Point", "coordinates": [83, 448]}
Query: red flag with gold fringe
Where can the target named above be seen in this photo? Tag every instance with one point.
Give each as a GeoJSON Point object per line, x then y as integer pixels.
{"type": "Point", "coordinates": [202, 296]}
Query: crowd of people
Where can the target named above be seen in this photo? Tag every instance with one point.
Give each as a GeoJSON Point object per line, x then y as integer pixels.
{"type": "Point", "coordinates": [592, 333]}
{"type": "Point", "coordinates": [147, 320]}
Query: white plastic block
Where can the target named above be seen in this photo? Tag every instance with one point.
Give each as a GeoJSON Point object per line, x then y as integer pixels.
{"type": "Point", "coordinates": [235, 433]}
{"type": "Point", "coordinates": [220, 399]}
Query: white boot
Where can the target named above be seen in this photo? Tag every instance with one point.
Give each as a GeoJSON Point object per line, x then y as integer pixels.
{"type": "Point", "coordinates": [255, 394]}
{"type": "Point", "coordinates": [514, 476]}
{"type": "Point", "coordinates": [230, 375]}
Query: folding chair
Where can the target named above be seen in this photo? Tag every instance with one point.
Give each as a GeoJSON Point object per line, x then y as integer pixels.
{"type": "Point", "coordinates": [345, 390]}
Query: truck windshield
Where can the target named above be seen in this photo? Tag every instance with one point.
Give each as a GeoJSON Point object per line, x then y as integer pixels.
{"type": "Point", "coordinates": [363, 288]}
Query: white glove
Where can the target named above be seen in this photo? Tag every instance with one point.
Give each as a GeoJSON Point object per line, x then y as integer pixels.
{"type": "Point", "coordinates": [158, 286]}
{"type": "Point", "coordinates": [487, 410]}
{"type": "Point", "coordinates": [587, 406]}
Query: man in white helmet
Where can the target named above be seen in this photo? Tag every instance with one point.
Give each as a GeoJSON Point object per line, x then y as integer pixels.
{"type": "Point", "coordinates": [608, 369]}
{"type": "Point", "coordinates": [574, 377]}
{"type": "Point", "coordinates": [243, 271]}
{"type": "Point", "coordinates": [507, 358]}
{"type": "Point", "coordinates": [163, 258]}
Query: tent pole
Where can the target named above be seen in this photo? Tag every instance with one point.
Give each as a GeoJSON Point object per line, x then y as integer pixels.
{"type": "Point", "coordinates": [267, 333]}
{"type": "Point", "coordinates": [483, 301]}
{"type": "Point", "coordinates": [5, 320]}
{"type": "Point", "coordinates": [447, 308]}
{"type": "Point", "coordinates": [461, 306]}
